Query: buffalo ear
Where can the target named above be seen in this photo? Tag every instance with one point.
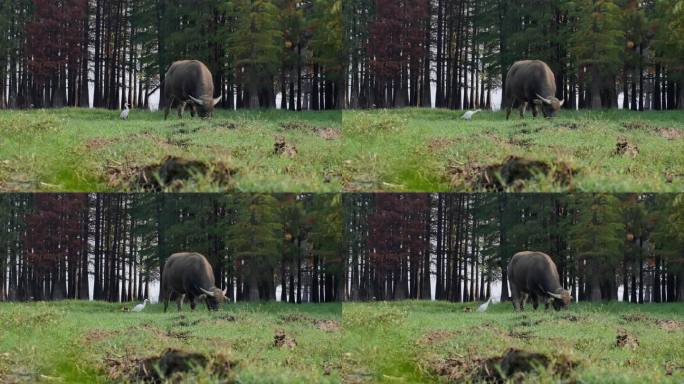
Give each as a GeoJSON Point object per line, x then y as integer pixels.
{"type": "Point", "coordinates": [538, 102]}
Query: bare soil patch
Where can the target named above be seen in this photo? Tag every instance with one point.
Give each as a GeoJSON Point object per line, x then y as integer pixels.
{"type": "Point", "coordinates": [99, 143]}
{"type": "Point", "coordinates": [513, 366]}
{"type": "Point", "coordinates": [515, 172]}
{"type": "Point", "coordinates": [624, 147]}
{"type": "Point", "coordinates": [671, 133]}
{"type": "Point", "coordinates": [520, 142]}
{"type": "Point", "coordinates": [328, 133]}
{"type": "Point", "coordinates": [440, 143]}
{"type": "Point", "coordinates": [516, 364]}
{"type": "Point", "coordinates": [282, 340]}
{"type": "Point", "coordinates": [526, 322]}
{"type": "Point", "coordinates": [283, 148]}
{"type": "Point", "coordinates": [295, 317]}
{"type": "Point", "coordinates": [522, 335]}
{"type": "Point", "coordinates": [637, 317]}
{"type": "Point", "coordinates": [436, 337]}
{"type": "Point", "coordinates": [97, 335]}
{"type": "Point", "coordinates": [664, 324]}
{"type": "Point", "coordinates": [625, 340]}
{"type": "Point", "coordinates": [669, 325]}
{"type": "Point", "coordinates": [185, 131]}
{"type": "Point", "coordinates": [296, 125]}
{"type": "Point", "coordinates": [172, 173]}
{"type": "Point", "coordinates": [665, 132]}
{"type": "Point", "coordinates": [171, 366]}
{"type": "Point", "coordinates": [328, 325]}
{"type": "Point", "coordinates": [324, 133]}
{"type": "Point", "coordinates": [180, 142]}
{"type": "Point", "coordinates": [180, 335]}
{"type": "Point", "coordinates": [569, 125]}
{"type": "Point", "coordinates": [323, 325]}
{"type": "Point", "coordinates": [572, 318]}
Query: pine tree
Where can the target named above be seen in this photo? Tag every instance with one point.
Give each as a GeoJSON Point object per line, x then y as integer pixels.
{"type": "Point", "coordinates": [597, 45]}
{"type": "Point", "coordinates": [255, 238]}
{"type": "Point", "coordinates": [257, 46]}
{"type": "Point", "coordinates": [597, 238]}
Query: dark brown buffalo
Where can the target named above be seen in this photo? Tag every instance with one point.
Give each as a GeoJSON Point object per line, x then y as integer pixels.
{"type": "Point", "coordinates": [189, 82]}
{"type": "Point", "coordinates": [534, 275]}
{"type": "Point", "coordinates": [531, 82]}
{"type": "Point", "coordinates": [189, 275]}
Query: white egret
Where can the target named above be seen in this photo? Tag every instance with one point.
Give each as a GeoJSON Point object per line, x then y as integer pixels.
{"type": "Point", "coordinates": [469, 115]}
{"type": "Point", "coordinates": [124, 113]}
{"type": "Point", "coordinates": [140, 307]}
{"type": "Point", "coordinates": [484, 306]}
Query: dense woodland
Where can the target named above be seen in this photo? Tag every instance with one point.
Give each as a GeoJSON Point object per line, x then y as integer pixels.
{"type": "Point", "coordinates": [53, 51]}
{"type": "Point", "coordinates": [398, 49]}
{"type": "Point", "coordinates": [58, 246]}
{"type": "Point", "coordinates": [325, 54]}
{"type": "Point", "coordinates": [453, 246]}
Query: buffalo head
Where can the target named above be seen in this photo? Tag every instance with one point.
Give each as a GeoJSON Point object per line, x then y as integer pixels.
{"type": "Point", "coordinates": [549, 106]}
{"type": "Point", "coordinates": [561, 299]}
{"type": "Point", "coordinates": [205, 104]}
{"type": "Point", "coordinates": [215, 297]}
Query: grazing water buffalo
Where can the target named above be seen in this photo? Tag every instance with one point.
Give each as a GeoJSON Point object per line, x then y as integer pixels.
{"type": "Point", "coordinates": [190, 82]}
{"type": "Point", "coordinates": [534, 274]}
{"type": "Point", "coordinates": [189, 275]}
{"type": "Point", "coordinates": [531, 82]}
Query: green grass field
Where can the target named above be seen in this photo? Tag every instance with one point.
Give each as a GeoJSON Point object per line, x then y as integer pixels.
{"type": "Point", "coordinates": [434, 150]}
{"type": "Point", "coordinates": [424, 342]}
{"type": "Point", "coordinates": [92, 150]}
{"type": "Point", "coordinates": [358, 151]}
{"type": "Point", "coordinates": [396, 342]}
{"type": "Point", "coordinates": [86, 342]}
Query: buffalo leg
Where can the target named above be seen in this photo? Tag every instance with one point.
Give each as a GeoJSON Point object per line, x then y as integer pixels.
{"type": "Point", "coordinates": [515, 298]}
{"type": "Point", "coordinates": [523, 108]}
{"type": "Point", "coordinates": [535, 302]}
{"type": "Point", "coordinates": [181, 108]}
{"type": "Point", "coordinates": [179, 301]}
{"type": "Point", "coordinates": [164, 295]}
{"type": "Point", "coordinates": [168, 108]}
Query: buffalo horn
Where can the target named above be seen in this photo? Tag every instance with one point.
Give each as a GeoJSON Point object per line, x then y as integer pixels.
{"type": "Point", "coordinates": [196, 101]}
{"type": "Point", "coordinates": [547, 101]}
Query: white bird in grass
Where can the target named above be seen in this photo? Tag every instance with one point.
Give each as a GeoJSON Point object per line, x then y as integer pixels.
{"type": "Point", "coordinates": [140, 307]}
{"type": "Point", "coordinates": [469, 115]}
{"type": "Point", "coordinates": [124, 113]}
{"type": "Point", "coordinates": [484, 306]}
